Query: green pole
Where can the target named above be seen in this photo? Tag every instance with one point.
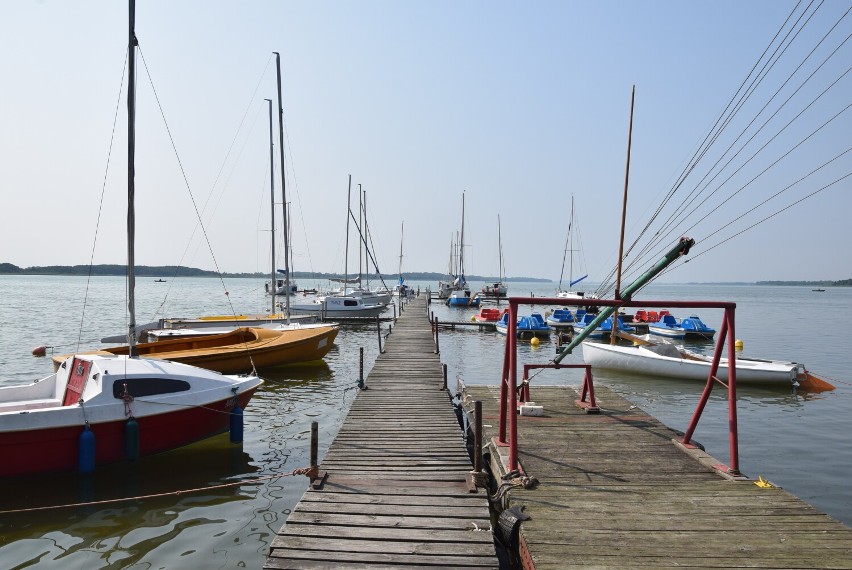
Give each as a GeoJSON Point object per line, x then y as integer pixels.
{"type": "Point", "coordinates": [682, 248]}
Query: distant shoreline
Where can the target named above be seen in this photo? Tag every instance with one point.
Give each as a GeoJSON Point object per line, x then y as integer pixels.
{"type": "Point", "coordinates": [112, 270]}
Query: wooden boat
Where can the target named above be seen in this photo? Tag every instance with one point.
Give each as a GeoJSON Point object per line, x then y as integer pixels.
{"type": "Point", "coordinates": [561, 319]}
{"type": "Point", "coordinates": [489, 315]}
{"type": "Point", "coordinates": [528, 326]}
{"type": "Point", "coordinates": [241, 350]}
{"type": "Point", "coordinates": [670, 361]}
{"type": "Point", "coordinates": [102, 408]}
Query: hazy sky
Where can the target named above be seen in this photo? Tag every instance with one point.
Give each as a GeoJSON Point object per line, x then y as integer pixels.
{"type": "Point", "coordinates": [520, 104]}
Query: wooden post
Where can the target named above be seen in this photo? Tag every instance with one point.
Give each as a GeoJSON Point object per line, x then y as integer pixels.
{"type": "Point", "coordinates": [477, 435]}
{"type": "Point", "coordinates": [437, 342]}
{"type": "Point", "coordinates": [379, 332]}
{"type": "Point", "coordinates": [361, 368]}
{"type": "Point", "coordinates": [314, 444]}
{"type": "Point", "coordinates": [444, 370]}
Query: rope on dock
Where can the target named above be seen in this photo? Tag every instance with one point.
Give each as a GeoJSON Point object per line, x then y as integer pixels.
{"type": "Point", "coordinates": [293, 473]}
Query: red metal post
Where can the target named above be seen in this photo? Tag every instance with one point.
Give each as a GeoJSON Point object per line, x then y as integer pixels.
{"type": "Point", "coordinates": [504, 395]}
{"type": "Point", "coordinates": [732, 394]}
{"type": "Point", "coordinates": [512, 335]}
{"type": "Point", "coordinates": [705, 395]}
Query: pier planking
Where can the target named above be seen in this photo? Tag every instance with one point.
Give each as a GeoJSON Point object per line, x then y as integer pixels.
{"type": "Point", "coordinates": [396, 493]}
{"type": "Point", "coordinates": [615, 491]}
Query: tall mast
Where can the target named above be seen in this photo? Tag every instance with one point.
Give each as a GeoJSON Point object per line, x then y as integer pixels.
{"type": "Point", "coordinates": [360, 233]}
{"type": "Point", "coordinates": [274, 282]}
{"type": "Point", "coordinates": [131, 175]}
{"type": "Point", "coordinates": [346, 251]}
{"type": "Point", "coordinates": [461, 246]}
{"type": "Point", "coordinates": [283, 191]}
{"type": "Point", "coordinates": [401, 237]}
{"type": "Point", "coordinates": [571, 246]}
{"type": "Point", "coordinates": [613, 336]}
{"type": "Point", "coordinates": [500, 247]}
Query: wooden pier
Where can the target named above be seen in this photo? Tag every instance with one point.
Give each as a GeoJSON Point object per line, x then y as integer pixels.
{"type": "Point", "coordinates": [615, 490]}
{"type": "Point", "coordinates": [396, 493]}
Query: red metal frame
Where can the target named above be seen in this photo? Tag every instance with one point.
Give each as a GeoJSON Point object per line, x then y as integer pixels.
{"type": "Point", "coordinates": [510, 393]}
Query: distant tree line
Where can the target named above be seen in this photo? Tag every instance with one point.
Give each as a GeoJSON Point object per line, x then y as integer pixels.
{"type": "Point", "coordinates": [841, 283]}
{"type": "Point", "coordinates": [175, 271]}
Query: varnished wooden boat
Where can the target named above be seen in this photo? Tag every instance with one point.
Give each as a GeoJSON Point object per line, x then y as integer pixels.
{"type": "Point", "coordinates": [237, 351]}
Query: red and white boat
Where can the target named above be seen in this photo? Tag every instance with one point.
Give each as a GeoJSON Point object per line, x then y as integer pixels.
{"type": "Point", "coordinates": [489, 315]}
{"type": "Point", "coordinates": [172, 404]}
{"type": "Point", "coordinates": [98, 408]}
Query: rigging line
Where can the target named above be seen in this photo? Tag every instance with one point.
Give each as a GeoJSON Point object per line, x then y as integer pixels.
{"type": "Point", "coordinates": [766, 122]}
{"type": "Point", "coordinates": [811, 173]}
{"type": "Point", "coordinates": [811, 195]}
{"type": "Point", "coordinates": [219, 173]}
{"type": "Point", "coordinates": [764, 72]}
{"type": "Point", "coordinates": [101, 203]}
{"type": "Point", "coordinates": [191, 196]}
{"type": "Point", "coordinates": [782, 157]}
{"type": "Point", "coordinates": [774, 136]}
{"type": "Point", "coordinates": [298, 195]}
{"type": "Point", "coordinates": [716, 128]}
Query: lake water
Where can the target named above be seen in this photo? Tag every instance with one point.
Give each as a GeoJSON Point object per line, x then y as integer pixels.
{"type": "Point", "coordinates": [799, 442]}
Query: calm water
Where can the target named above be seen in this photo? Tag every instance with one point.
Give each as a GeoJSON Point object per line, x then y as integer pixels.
{"type": "Point", "coordinates": [798, 442]}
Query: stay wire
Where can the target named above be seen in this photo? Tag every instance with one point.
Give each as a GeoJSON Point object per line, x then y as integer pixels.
{"type": "Point", "coordinates": [101, 202]}
{"type": "Point", "coordinates": [707, 142]}
{"type": "Point", "coordinates": [192, 198]}
{"type": "Point", "coordinates": [765, 170]}
{"type": "Point", "coordinates": [727, 115]}
{"type": "Point", "coordinates": [683, 215]}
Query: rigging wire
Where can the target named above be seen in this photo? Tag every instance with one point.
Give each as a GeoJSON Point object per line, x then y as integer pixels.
{"type": "Point", "coordinates": [101, 202]}
{"type": "Point", "coordinates": [688, 208]}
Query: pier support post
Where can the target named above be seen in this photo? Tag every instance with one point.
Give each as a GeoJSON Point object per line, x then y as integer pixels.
{"type": "Point", "coordinates": [477, 435]}
{"type": "Point", "coordinates": [361, 368]}
{"type": "Point", "coordinates": [444, 370]}
{"type": "Point", "coordinates": [379, 332]}
{"type": "Point", "coordinates": [316, 476]}
{"type": "Point", "coordinates": [437, 342]}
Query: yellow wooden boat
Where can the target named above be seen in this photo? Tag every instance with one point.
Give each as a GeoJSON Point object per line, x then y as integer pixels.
{"type": "Point", "coordinates": [240, 350]}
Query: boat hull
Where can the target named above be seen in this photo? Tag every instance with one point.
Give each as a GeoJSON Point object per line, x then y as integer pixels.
{"type": "Point", "coordinates": [239, 351]}
{"type": "Point", "coordinates": [48, 449]}
{"type": "Point", "coordinates": [640, 360]}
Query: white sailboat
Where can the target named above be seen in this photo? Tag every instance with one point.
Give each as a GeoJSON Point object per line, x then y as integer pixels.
{"type": "Point", "coordinates": [499, 288]}
{"type": "Point", "coordinates": [569, 253]}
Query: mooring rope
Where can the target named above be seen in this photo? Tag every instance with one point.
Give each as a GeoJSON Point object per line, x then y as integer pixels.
{"type": "Point", "coordinates": [294, 472]}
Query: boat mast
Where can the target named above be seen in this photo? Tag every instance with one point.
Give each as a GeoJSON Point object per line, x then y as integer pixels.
{"type": "Point", "coordinates": [567, 246]}
{"type": "Point", "coordinates": [461, 247]}
{"type": "Point", "coordinates": [346, 250]}
{"type": "Point", "coordinates": [274, 282]}
{"type": "Point", "coordinates": [401, 236]}
{"type": "Point", "coordinates": [571, 246]}
{"type": "Point", "coordinates": [500, 247]}
{"type": "Point", "coordinates": [283, 192]}
{"type": "Point", "coordinates": [131, 188]}
{"type": "Point", "coordinates": [360, 233]}
{"type": "Point", "coordinates": [613, 337]}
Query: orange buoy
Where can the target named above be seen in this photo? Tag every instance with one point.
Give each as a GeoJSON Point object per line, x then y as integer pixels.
{"type": "Point", "coordinates": [40, 351]}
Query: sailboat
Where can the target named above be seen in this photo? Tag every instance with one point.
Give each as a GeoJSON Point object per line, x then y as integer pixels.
{"type": "Point", "coordinates": [227, 344]}
{"type": "Point", "coordinates": [569, 253]}
{"type": "Point", "coordinates": [498, 289]}
{"type": "Point", "coordinates": [98, 409]}
{"type": "Point", "coordinates": [348, 301]}
{"type": "Point", "coordinates": [461, 295]}
{"type": "Point", "coordinates": [401, 289]}
{"type": "Point", "coordinates": [446, 287]}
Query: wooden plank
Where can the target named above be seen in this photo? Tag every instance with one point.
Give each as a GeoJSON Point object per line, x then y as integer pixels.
{"type": "Point", "coordinates": [396, 495]}
{"type": "Point", "coordinates": [615, 492]}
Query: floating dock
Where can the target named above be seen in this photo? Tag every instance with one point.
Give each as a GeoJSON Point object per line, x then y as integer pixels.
{"type": "Point", "coordinates": [615, 490]}
{"type": "Point", "coordinates": [396, 492]}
